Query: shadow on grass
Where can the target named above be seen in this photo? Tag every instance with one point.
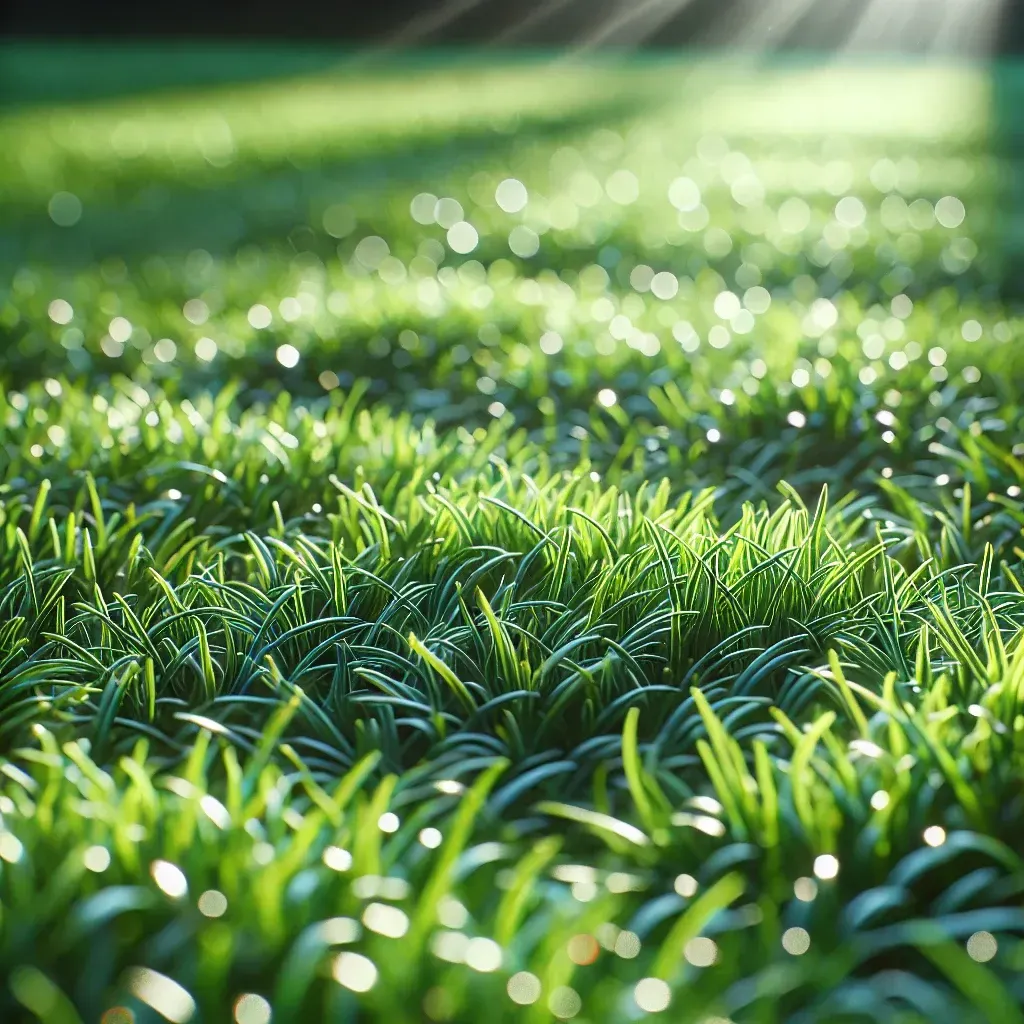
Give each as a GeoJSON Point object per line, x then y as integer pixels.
{"type": "Point", "coordinates": [1008, 146]}
{"type": "Point", "coordinates": [39, 73]}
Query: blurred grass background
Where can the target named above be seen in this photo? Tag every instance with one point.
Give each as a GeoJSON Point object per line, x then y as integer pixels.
{"type": "Point", "coordinates": [178, 147]}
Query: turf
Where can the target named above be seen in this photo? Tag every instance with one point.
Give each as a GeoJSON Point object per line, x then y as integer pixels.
{"type": "Point", "coordinates": [417, 605]}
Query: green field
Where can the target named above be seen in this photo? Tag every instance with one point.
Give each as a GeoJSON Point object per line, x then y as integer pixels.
{"type": "Point", "coordinates": [510, 539]}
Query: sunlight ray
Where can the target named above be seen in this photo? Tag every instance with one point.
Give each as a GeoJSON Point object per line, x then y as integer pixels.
{"type": "Point", "coordinates": [425, 25]}
{"type": "Point", "coordinates": [769, 28]}
{"type": "Point", "coordinates": [632, 24]}
{"type": "Point", "coordinates": [540, 14]}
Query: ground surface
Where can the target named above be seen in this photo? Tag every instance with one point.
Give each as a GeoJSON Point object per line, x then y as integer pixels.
{"type": "Point", "coordinates": [500, 534]}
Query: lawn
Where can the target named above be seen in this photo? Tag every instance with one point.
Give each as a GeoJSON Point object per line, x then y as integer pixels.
{"type": "Point", "coordinates": [510, 537]}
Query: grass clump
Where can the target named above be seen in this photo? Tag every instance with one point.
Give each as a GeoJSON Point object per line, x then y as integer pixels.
{"type": "Point", "coordinates": [575, 572]}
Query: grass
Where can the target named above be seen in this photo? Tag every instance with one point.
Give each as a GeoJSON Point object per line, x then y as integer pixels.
{"type": "Point", "coordinates": [619, 616]}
